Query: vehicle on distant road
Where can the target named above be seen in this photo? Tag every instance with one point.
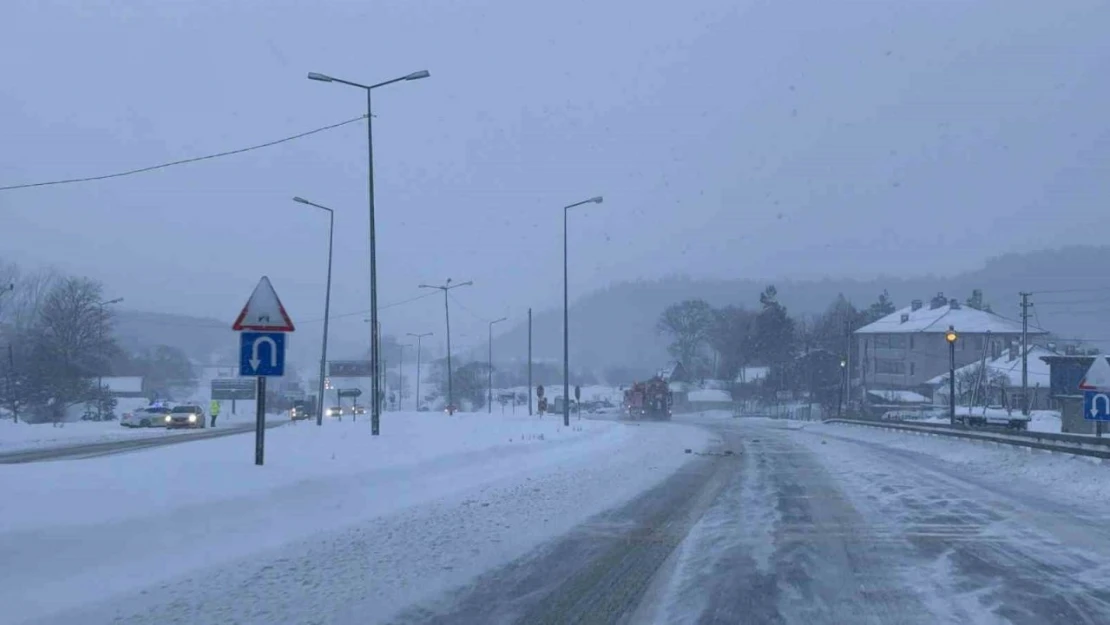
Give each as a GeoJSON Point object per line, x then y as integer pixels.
{"type": "Point", "coordinates": [649, 400]}
{"type": "Point", "coordinates": [149, 417]}
{"type": "Point", "coordinates": [335, 411]}
{"type": "Point", "coordinates": [302, 410]}
{"type": "Point", "coordinates": [186, 416]}
{"type": "Point", "coordinates": [357, 410]}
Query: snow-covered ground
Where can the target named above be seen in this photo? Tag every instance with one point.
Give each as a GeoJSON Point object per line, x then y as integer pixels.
{"type": "Point", "coordinates": [21, 436]}
{"type": "Point", "coordinates": [1079, 479]}
{"type": "Point", "coordinates": [335, 521]}
{"type": "Point", "coordinates": [1039, 420]}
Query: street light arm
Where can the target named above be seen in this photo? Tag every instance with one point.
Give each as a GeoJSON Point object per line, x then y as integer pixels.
{"type": "Point", "coordinates": [429, 286]}
{"type": "Point", "coordinates": [593, 200]}
{"type": "Point", "coordinates": [301, 200]}
{"type": "Point", "coordinates": [455, 286]}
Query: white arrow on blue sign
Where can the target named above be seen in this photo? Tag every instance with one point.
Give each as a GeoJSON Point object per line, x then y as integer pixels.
{"type": "Point", "coordinates": [1096, 406]}
{"type": "Point", "coordinates": [262, 354]}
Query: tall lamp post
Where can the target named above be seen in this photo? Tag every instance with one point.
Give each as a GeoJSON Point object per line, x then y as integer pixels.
{"type": "Point", "coordinates": [447, 286]}
{"type": "Point", "coordinates": [418, 337]}
{"type": "Point", "coordinates": [489, 369]}
{"type": "Point", "coordinates": [375, 411]}
{"type": "Point", "coordinates": [327, 311]}
{"type": "Point", "coordinates": [566, 314]}
{"type": "Point", "coordinates": [951, 337]}
{"type": "Point", "coordinates": [100, 376]}
{"type": "Point", "coordinates": [400, 372]}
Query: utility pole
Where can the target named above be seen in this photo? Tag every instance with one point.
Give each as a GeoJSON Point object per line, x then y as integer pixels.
{"type": "Point", "coordinates": [11, 394]}
{"type": "Point", "coordinates": [447, 286]}
{"type": "Point", "coordinates": [1025, 352]}
{"type": "Point", "coordinates": [418, 337]}
{"type": "Point", "coordinates": [529, 362]}
{"type": "Point", "coordinates": [848, 370]}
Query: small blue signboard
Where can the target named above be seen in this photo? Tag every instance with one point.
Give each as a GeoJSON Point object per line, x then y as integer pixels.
{"type": "Point", "coordinates": [1096, 405]}
{"type": "Point", "coordinates": [262, 354]}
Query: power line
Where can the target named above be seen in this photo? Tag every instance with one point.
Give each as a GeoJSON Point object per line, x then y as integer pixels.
{"type": "Point", "coordinates": [1095, 290]}
{"type": "Point", "coordinates": [184, 161]}
{"type": "Point", "coordinates": [471, 312]}
{"type": "Point", "coordinates": [223, 326]}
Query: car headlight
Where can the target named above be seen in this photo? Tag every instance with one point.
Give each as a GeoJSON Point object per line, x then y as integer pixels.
{"type": "Point", "coordinates": [192, 418]}
{"type": "Point", "coordinates": [168, 419]}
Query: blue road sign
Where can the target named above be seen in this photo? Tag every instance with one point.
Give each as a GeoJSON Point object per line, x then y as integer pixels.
{"type": "Point", "coordinates": [1096, 405]}
{"type": "Point", "coordinates": [262, 354]}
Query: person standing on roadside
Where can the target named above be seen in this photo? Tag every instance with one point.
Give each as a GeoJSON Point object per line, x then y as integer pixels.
{"type": "Point", "coordinates": [214, 410]}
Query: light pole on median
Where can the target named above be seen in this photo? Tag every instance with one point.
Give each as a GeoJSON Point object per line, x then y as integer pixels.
{"type": "Point", "coordinates": [447, 286]}
{"type": "Point", "coordinates": [566, 314]}
{"type": "Point", "coordinates": [327, 311]}
{"type": "Point", "coordinates": [100, 367]}
{"type": "Point", "coordinates": [951, 336]}
{"type": "Point", "coordinates": [418, 337]}
{"type": "Point", "coordinates": [489, 369]}
{"type": "Point", "coordinates": [375, 411]}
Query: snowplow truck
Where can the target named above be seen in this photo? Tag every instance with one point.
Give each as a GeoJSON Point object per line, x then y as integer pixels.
{"type": "Point", "coordinates": [649, 400]}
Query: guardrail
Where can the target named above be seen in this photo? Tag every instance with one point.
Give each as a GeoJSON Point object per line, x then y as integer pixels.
{"type": "Point", "coordinates": [1063, 443]}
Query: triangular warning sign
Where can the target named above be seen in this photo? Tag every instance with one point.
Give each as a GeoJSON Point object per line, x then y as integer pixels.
{"type": "Point", "coordinates": [264, 311]}
{"type": "Point", "coordinates": [1098, 376]}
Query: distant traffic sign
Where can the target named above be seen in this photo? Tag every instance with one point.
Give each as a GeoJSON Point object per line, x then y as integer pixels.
{"type": "Point", "coordinates": [233, 388]}
{"type": "Point", "coordinates": [350, 369]}
{"type": "Point", "coordinates": [1098, 376]}
{"type": "Point", "coordinates": [263, 311]}
{"type": "Point", "coordinates": [262, 354]}
{"type": "Point", "coordinates": [349, 392]}
{"type": "Point", "coordinates": [1096, 406]}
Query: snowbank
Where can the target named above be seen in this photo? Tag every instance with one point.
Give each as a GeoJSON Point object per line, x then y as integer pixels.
{"type": "Point", "coordinates": [22, 436]}
{"type": "Point", "coordinates": [85, 531]}
{"type": "Point", "coordinates": [708, 395]}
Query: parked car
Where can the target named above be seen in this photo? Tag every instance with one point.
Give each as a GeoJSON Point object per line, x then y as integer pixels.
{"type": "Point", "coordinates": [149, 417]}
{"type": "Point", "coordinates": [186, 416]}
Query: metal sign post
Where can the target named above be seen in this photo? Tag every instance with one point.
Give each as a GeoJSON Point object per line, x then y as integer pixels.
{"type": "Point", "coordinates": [262, 326]}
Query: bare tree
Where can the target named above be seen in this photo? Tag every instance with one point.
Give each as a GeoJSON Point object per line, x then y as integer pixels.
{"type": "Point", "coordinates": [688, 323]}
{"type": "Point", "coordinates": [69, 342]}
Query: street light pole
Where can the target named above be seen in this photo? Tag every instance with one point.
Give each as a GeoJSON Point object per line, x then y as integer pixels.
{"type": "Point", "coordinates": [951, 337]}
{"type": "Point", "coordinates": [447, 286]}
{"type": "Point", "coordinates": [418, 337]}
{"type": "Point", "coordinates": [566, 314]}
{"type": "Point", "coordinates": [489, 369]}
{"type": "Point", "coordinates": [375, 411]}
{"type": "Point", "coordinates": [327, 311]}
{"type": "Point", "coordinates": [100, 367]}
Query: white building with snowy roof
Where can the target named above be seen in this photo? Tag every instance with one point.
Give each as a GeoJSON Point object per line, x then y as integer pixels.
{"type": "Point", "coordinates": [907, 348]}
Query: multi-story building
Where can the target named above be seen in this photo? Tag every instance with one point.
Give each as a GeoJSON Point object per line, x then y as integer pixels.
{"type": "Point", "coordinates": [907, 348]}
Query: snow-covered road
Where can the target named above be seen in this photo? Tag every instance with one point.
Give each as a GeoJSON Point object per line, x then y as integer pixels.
{"type": "Point", "coordinates": [824, 524]}
{"type": "Point", "coordinates": [601, 523]}
{"type": "Point", "coordinates": [336, 528]}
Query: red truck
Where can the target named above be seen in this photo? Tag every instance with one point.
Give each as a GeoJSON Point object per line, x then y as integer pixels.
{"type": "Point", "coordinates": [649, 400]}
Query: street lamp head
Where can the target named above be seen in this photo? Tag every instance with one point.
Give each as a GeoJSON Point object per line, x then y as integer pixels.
{"type": "Point", "coordinates": [301, 200]}
{"type": "Point", "coordinates": [951, 335]}
{"type": "Point", "coordinates": [418, 75]}
{"type": "Point", "coordinates": [843, 364]}
{"type": "Point", "coordinates": [320, 77]}
{"type": "Point", "coordinates": [596, 200]}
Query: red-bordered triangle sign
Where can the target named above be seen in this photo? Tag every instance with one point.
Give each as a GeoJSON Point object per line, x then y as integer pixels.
{"type": "Point", "coordinates": [264, 311]}
{"type": "Point", "coordinates": [1098, 376]}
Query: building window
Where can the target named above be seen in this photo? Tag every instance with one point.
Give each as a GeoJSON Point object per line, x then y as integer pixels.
{"type": "Point", "coordinates": [898, 341]}
{"type": "Point", "coordinates": [893, 367]}
{"type": "Point", "coordinates": [911, 368]}
{"type": "Point", "coordinates": [911, 341]}
{"type": "Point", "coordinates": [882, 341]}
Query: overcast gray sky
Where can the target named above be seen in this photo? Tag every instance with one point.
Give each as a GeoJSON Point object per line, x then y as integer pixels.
{"type": "Point", "coordinates": [729, 138]}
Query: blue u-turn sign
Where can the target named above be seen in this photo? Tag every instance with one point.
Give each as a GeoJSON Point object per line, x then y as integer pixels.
{"type": "Point", "coordinates": [1096, 406]}
{"type": "Point", "coordinates": [262, 354]}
